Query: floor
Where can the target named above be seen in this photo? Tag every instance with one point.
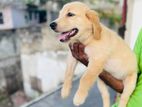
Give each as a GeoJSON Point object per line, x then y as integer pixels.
{"type": "Point", "coordinates": [54, 99]}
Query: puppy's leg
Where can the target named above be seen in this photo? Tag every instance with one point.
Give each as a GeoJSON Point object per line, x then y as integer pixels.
{"type": "Point", "coordinates": [104, 92]}
{"type": "Point", "coordinates": [129, 86]}
{"type": "Point", "coordinates": [94, 68]}
{"type": "Point", "coordinates": [71, 64]}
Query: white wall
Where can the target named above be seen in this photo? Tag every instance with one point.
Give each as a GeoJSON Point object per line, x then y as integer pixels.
{"type": "Point", "coordinates": [7, 19]}
{"type": "Point", "coordinates": [48, 66]}
{"type": "Point", "coordinates": [134, 21]}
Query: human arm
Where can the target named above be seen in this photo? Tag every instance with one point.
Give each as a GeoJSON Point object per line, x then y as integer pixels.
{"type": "Point", "coordinates": [77, 50]}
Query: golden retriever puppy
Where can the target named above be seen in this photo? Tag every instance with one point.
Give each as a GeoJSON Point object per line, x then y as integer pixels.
{"type": "Point", "coordinates": [105, 50]}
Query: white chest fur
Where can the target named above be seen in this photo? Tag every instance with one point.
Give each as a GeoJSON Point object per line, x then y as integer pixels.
{"type": "Point", "coordinates": [115, 68]}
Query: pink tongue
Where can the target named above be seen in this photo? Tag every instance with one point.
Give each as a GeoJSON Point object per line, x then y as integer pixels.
{"type": "Point", "coordinates": [63, 36]}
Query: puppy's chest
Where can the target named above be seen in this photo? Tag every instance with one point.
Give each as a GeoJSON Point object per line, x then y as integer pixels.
{"type": "Point", "coordinates": [112, 65]}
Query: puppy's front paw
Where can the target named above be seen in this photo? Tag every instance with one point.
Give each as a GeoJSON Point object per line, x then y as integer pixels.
{"type": "Point", "coordinates": [80, 98]}
{"type": "Point", "coordinates": [65, 92]}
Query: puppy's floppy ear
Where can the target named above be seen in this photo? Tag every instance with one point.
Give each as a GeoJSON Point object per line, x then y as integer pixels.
{"type": "Point", "coordinates": [96, 27]}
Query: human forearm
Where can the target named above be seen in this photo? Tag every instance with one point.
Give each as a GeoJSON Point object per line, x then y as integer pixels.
{"type": "Point", "coordinates": [114, 83]}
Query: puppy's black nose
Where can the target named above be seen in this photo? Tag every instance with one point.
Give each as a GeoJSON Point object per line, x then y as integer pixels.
{"type": "Point", "coordinates": [53, 25]}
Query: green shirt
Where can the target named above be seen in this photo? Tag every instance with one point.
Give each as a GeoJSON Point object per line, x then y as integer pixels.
{"type": "Point", "coordinates": [136, 98]}
{"type": "Point", "coordinates": [138, 51]}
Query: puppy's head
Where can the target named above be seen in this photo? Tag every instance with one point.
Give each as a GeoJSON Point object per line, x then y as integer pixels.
{"type": "Point", "coordinates": [76, 22]}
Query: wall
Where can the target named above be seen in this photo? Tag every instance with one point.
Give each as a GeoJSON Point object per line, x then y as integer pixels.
{"type": "Point", "coordinates": [134, 21]}
{"type": "Point", "coordinates": [46, 70]}
{"type": "Point", "coordinates": [10, 66]}
{"type": "Point", "coordinates": [10, 73]}
{"type": "Point", "coordinates": [9, 44]}
{"type": "Point", "coordinates": [18, 15]}
{"type": "Point", "coordinates": [7, 18]}
{"type": "Point", "coordinates": [18, 18]}
{"type": "Point", "coordinates": [15, 18]}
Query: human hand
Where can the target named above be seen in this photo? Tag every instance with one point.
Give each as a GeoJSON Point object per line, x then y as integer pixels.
{"type": "Point", "coordinates": [77, 50]}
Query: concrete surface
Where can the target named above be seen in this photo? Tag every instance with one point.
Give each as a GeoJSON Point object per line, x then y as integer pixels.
{"type": "Point", "coordinates": [54, 99]}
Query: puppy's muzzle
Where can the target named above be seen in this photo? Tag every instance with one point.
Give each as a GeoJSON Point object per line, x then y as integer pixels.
{"type": "Point", "coordinates": [53, 25]}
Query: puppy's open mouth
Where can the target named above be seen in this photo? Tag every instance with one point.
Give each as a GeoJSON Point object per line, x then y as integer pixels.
{"type": "Point", "coordinates": [65, 36]}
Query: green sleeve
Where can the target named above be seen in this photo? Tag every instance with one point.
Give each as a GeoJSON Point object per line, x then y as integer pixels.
{"type": "Point", "coordinates": [138, 51]}
{"type": "Point", "coordinates": [136, 98]}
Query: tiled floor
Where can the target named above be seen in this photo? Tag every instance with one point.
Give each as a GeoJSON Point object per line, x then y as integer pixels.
{"type": "Point", "coordinates": [54, 99]}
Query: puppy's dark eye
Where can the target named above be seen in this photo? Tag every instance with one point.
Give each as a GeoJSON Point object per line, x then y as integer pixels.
{"type": "Point", "coordinates": [70, 14]}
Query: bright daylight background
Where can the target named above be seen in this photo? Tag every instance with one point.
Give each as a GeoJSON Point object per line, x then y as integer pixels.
{"type": "Point", "coordinates": [32, 60]}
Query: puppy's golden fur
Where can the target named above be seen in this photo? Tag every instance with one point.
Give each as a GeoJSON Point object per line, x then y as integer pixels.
{"type": "Point", "coordinates": [105, 50]}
